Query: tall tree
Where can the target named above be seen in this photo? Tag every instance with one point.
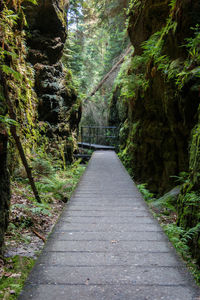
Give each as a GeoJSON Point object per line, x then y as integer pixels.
{"type": "Point", "coordinates": [97, 38]}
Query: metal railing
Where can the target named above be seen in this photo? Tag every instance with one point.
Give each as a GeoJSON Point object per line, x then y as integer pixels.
{"type": "Point", "coordinates": [99, 135]}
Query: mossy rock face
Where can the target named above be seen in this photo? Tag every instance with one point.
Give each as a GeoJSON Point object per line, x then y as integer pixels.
{"type": "Point", "coordinates": [146, 18]}
{"type": "Point", "coordinates": [166, 115]}
{"type": "Point", "coordinates": [161, 139]}
{"type": "Point", "coordinates": [48, 17]}
{"type": "Point", "coordinates": [117, 110]}
{"type": "Point", "coordinates": [188, 202]}
{"type": "Point", "coordinates": [160, 131]}
{"type": "Point", "coordinates": [189, 217]}
{"type": "Point", "coordinates": [54, 87]}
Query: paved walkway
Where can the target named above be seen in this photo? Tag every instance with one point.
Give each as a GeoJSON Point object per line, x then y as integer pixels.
{"type": "Point", "coordinates": [107, 246]}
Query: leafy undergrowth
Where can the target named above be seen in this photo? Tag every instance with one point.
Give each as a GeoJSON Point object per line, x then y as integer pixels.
{"type": "Point", "coordinates": [14, 272]}
{"type": "Point", "coordinates": [164, 209]}
{"type": "Point", "coordinates": [31, 222]}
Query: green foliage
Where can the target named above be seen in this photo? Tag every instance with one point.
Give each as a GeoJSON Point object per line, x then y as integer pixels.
{"type": "Point", "coordinates": [42, 167]}
{"type": "Point", "coordinates": [188, 202]}
{"type": "Point", "coordinates": [191, 69]}
{"type": "Point", "coordinates": [194, 159]}
{"type": "Point", "coordinates": [178, 238]}
{"type": "Point", "coordinates": [19, 75]}
{"type": "Point", "coordinates": [193, 233]}
{"type": "Point", "coordinates": [54, 186]}
{"type": "Point", "coordinates": [189, 213]}
{"type": "Point", "coordinates": [166, 204]}
{"type": "Point", "coordinates": [131, 77]}
{"type": "Point", "coordinates": [40, 208]}
{"type": "Point", "coordinates": [59, 184]}
{"type": "Point", "coordinates": [133, 7]}
{"type": "Point", "coordinates": [96, 39]}
{"type": "Point", "coordinates": [182, 178]}
{"type": "Point", "coordinates": [153, 48]}
{"type": "Point", "coordinates": [147, 195]}
{"type": "Point", "coordinates": [180, 71]}
{"type": "Point", "coordinates": [172, 4]}
{"type": "Point", "coordinates": [16, 270]}
{"type": "Point", "coordinates": [193, 45]}
{"type": "Point", "coordinates": [7, 121]}
{"type": "Point", "coordinates": [127, 146]}
{"type": "Point", "coordinates": [126, 160]}
{"type": "Point", "coordinates": [9, 71]}
{"type": "Point", "coordinates": [192, 199]}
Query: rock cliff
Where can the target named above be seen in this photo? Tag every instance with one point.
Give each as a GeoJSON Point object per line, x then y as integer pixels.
{"type": "Point", "coordinates": [39, 88]}
{"type": "Point", "coordinates": [156, 103]}
{"type": "Point", "coordinates": [58, 104]}
{"type": "Point", "coordinates": [157, 118]}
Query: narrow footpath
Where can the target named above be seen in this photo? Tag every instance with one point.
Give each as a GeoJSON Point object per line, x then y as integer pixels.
{"type": "Point", "coordinates": [107, 246]}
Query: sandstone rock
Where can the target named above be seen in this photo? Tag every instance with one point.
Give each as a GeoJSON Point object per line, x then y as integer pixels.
{"type": "Point", "coordinates": [47, 23]}
{"type": "Point", "coordinates": [160, 119]}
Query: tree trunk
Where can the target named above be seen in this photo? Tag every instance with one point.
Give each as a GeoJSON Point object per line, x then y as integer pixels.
{"type": "Point", "coordinates": [130, 48]}
{"type": "Point", "coordinates": [4, 188]}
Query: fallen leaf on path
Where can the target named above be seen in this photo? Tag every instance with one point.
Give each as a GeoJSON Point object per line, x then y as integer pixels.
{"type": "Point", "coordinates": [114, 242]}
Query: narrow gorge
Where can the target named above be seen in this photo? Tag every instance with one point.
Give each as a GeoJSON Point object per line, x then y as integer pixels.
{"type": "Point", "coordinates": [54, 53]}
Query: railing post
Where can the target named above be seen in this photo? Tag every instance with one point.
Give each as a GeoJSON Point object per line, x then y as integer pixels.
{"type": "Point", "coordinates": [81, 135]}
{"type": "Point", "coordinates": [97, 133]}
{"type": "Point", "coordinates": [90, 136]}
{"type": "Point", "coordinates": [100, 135]}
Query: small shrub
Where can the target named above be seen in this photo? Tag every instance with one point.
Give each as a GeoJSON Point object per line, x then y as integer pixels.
{"type": "Point", "coordinates": [145, 192]}
{"type": "Point", "coordinates": [42, 167]}
{"type": "Point", "coordinates": [178, 237]}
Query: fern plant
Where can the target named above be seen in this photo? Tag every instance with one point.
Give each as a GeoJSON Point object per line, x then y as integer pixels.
{"type": "Point", "coordinates": [178, 238]}
{"type": "Point", "coordinates": [148, 196]}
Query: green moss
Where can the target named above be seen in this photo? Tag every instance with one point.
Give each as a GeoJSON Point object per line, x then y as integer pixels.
{"type": "Point", "coordinates": [131, 77]}
{"type": "Point", "coordinates": [127, 146]}
{"type": "Point", "coordinates": [15, 273]}
{"type": "Point", "coordinates": [18, 73]}
{"type": "Point", "coordinates": [188, 202]}
{"type": "Point", "coordinates": [61, 12]}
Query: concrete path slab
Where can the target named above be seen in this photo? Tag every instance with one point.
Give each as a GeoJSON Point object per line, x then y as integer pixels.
{"type": "Point", "coordinates": [107, 246]}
